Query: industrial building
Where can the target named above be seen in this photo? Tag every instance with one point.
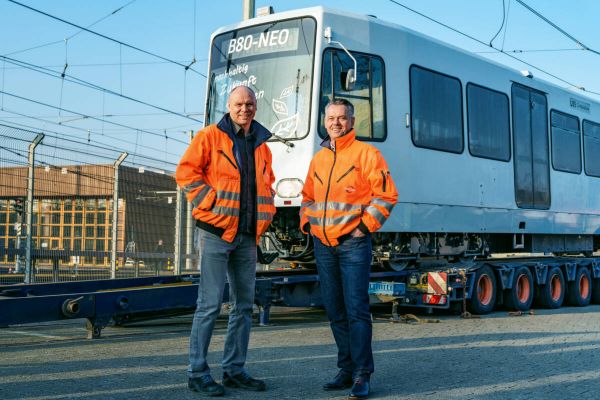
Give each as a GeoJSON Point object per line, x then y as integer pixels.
{"type": "Point", "coordinates": [72, 211]}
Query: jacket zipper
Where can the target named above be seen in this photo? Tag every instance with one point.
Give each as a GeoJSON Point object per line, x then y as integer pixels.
{"type": "Point", "coordinates": [318, 178]}
{"type": "Point", "coordinates": [326, 197]}
{"type": "Point", "coordinates": [229, 159]}
{"type": "Point", "coordinates": [384, 180]}
{"type": "Point", "coordinates": [345, 173]}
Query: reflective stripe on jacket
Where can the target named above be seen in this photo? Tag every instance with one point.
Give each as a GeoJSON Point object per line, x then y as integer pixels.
{"type": "Point", "coordinates": [209, 175]}
{"type": "Point", "coordinates": [346, 189]}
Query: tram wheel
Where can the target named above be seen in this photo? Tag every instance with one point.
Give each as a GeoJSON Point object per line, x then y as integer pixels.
{"type": "Point", "coordinates": [579, 292]}
{"type": "Point", "coordinates": [520, 296]}
{"type": "Point", "coordinates": [483, 298]}
{"type": "Point", "coordinates": [552, 294]}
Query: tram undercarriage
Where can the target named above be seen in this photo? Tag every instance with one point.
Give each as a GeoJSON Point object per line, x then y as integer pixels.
{"type": "Point", "coordinates": [396, 250]}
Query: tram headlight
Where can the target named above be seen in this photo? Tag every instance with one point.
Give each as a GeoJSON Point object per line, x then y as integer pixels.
{"type": "Point", "coordinates": [289, 188]}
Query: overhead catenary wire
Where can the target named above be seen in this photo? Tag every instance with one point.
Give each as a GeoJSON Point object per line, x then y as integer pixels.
{"type": "Point", "coordinates": [114, 152]}
{"type": "Point", "coordinates": [75, 34]}
{"type": "Point", "coordinates": [113, 115]}
{"type": "Point", "coordinates": [530, 51]}
{"type": "Point", "coordinates": [506, 24]}
{"type": "Point", "coordinates": [558, 28]}
{"type": "Point", "coordinates": [498, 50]}
{"type": "Point", "coordinates": [116, 149]}
{"type": "Point", "coordinates": [502, 24]}
{"type": "Point", "coordinates": [81, 82]}
{"type": "Point", "coordinates": [107, 37]}
{"type": "Point", "coordinates": [113, 138]}
{"type": "Point", "coordinates": [84, 115]}
{"type": "Point", "coordinates": [107, 64]}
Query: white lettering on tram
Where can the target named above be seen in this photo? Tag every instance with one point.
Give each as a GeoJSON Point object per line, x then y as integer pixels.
{"type": "Point", "coordinates": [274, 38]}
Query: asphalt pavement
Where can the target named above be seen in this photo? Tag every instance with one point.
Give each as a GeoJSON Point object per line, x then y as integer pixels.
{"type": "Point", "coordinates": [547, 355]}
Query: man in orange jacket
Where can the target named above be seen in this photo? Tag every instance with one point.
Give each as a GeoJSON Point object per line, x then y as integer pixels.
{"type": "Point", "coordinates": [226, 174]}
{"type": "Point", "coordinates": [348, 194]}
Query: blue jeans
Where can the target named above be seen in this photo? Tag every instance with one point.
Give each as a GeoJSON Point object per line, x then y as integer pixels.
{"type": "Point", "coordinates": [344, 279]}
{"type": "Point", "coordinates": [237, 261]}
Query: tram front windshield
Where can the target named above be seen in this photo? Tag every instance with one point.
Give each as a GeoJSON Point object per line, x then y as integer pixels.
{"type": "Point", "coordinates": [276, 61]}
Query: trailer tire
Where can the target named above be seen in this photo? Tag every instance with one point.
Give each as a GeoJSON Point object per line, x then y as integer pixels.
{"type": "Point", "coordinates": [483, 296]}
{"type": "Point", "coordinates": [579, 292]}
{"type": "Point", "coordinates": [520, 296]}
{"type": "Point", "coordinates": [552, 294]}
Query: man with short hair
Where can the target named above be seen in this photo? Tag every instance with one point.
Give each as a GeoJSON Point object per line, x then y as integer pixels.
{"type": "Point", "coordinates": [348, 194]}
{"type": "Point", "coordinates": [226, 174]}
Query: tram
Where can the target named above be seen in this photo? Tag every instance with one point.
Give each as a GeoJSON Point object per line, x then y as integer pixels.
{"type": "Point", "coordinates": [487, 160]}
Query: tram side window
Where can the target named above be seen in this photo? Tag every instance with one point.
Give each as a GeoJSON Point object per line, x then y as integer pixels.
{"type": "Point", "coordinates": [367, 96]}
{"type": "Point", "coordinates": [591, 148]}
{"type": "Point", "coordinates": [488, 123]}
{"type": "Point", "coordinates": [436, 110]}
{"type": "Point", "coordinates": [566, 142]}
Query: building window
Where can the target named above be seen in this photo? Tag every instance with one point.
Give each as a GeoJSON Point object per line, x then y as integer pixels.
{"type": "Point", "coordinates": [100, 231]}
{"type": "Point", "coordinates": [99, 245]}
{"type": "Point", "coordinates": [436, 110]}
{"type": "Point", "coordinates": [488, 123]}
{"type": "Point", "coordinates": [89, 218]}
{"type": "Point", "coordinates": [566, 142]}
{"type": "Point", "coordinates": [367, 96]}
{"type": "Point", "coordinates": [591, 148]}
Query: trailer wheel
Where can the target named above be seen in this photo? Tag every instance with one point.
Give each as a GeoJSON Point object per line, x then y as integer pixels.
{"type": "Point", "coordinates": [580, 290]}
{"type": "Point", "coordinates": [483, 297]}
{"type": "Point", "coordinates": [552, 294]}
{"type": "Point", "coordinates": [520, 296]}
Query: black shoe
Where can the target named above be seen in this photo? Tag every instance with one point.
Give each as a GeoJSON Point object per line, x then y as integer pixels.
{"type": "Point", "coordinates": [342, 380]}
{"type": "Point", "coordinates": [243, 381]}
{"type": "Point", "coordinates": [360, 388]}
{"type": "Point", "coordinates": [206, 385]}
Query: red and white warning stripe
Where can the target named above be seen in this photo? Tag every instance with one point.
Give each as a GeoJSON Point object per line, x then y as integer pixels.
{"type": "Point", "coordinates": [437, 283]}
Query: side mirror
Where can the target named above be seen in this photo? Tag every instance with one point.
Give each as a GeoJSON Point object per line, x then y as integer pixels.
{"type": "Point", "coordinates": [349, 80]}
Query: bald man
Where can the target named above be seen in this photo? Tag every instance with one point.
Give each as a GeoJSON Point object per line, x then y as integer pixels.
{"type": "Point", "coordinates": [226, 174]}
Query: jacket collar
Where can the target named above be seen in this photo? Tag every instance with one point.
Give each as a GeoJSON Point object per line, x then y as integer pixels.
{"type": "Point", "coordinates": [342, 142]}
{"type": "Point", "coordinates": [261, 133]}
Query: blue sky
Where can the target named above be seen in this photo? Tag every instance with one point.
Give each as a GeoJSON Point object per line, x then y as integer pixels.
{"type": "Point", "coordinates": [173, 30]}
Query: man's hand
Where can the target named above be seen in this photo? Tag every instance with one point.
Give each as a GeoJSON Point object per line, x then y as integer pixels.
{"type": "Point", "coordinates": [357, 233]}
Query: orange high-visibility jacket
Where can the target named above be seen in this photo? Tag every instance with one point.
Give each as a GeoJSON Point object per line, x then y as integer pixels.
{"type": "Point", "coordinates": [209, 175]}
{"type": "Point", "coordinates": [346, 189]}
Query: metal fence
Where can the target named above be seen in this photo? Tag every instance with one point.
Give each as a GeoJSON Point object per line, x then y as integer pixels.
{"type": "Point", "coordinates": [74, 210]}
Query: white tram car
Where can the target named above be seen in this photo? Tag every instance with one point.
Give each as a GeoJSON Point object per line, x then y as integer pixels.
{"type": "Point", "coordinates": [485, 158]}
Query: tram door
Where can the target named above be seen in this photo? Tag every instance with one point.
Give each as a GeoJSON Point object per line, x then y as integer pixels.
{"type": "Point", "coordinates": [530, 141]}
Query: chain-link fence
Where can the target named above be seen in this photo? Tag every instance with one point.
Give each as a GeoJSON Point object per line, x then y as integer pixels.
{"type": "Point", "coordinates": [72, 210]}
